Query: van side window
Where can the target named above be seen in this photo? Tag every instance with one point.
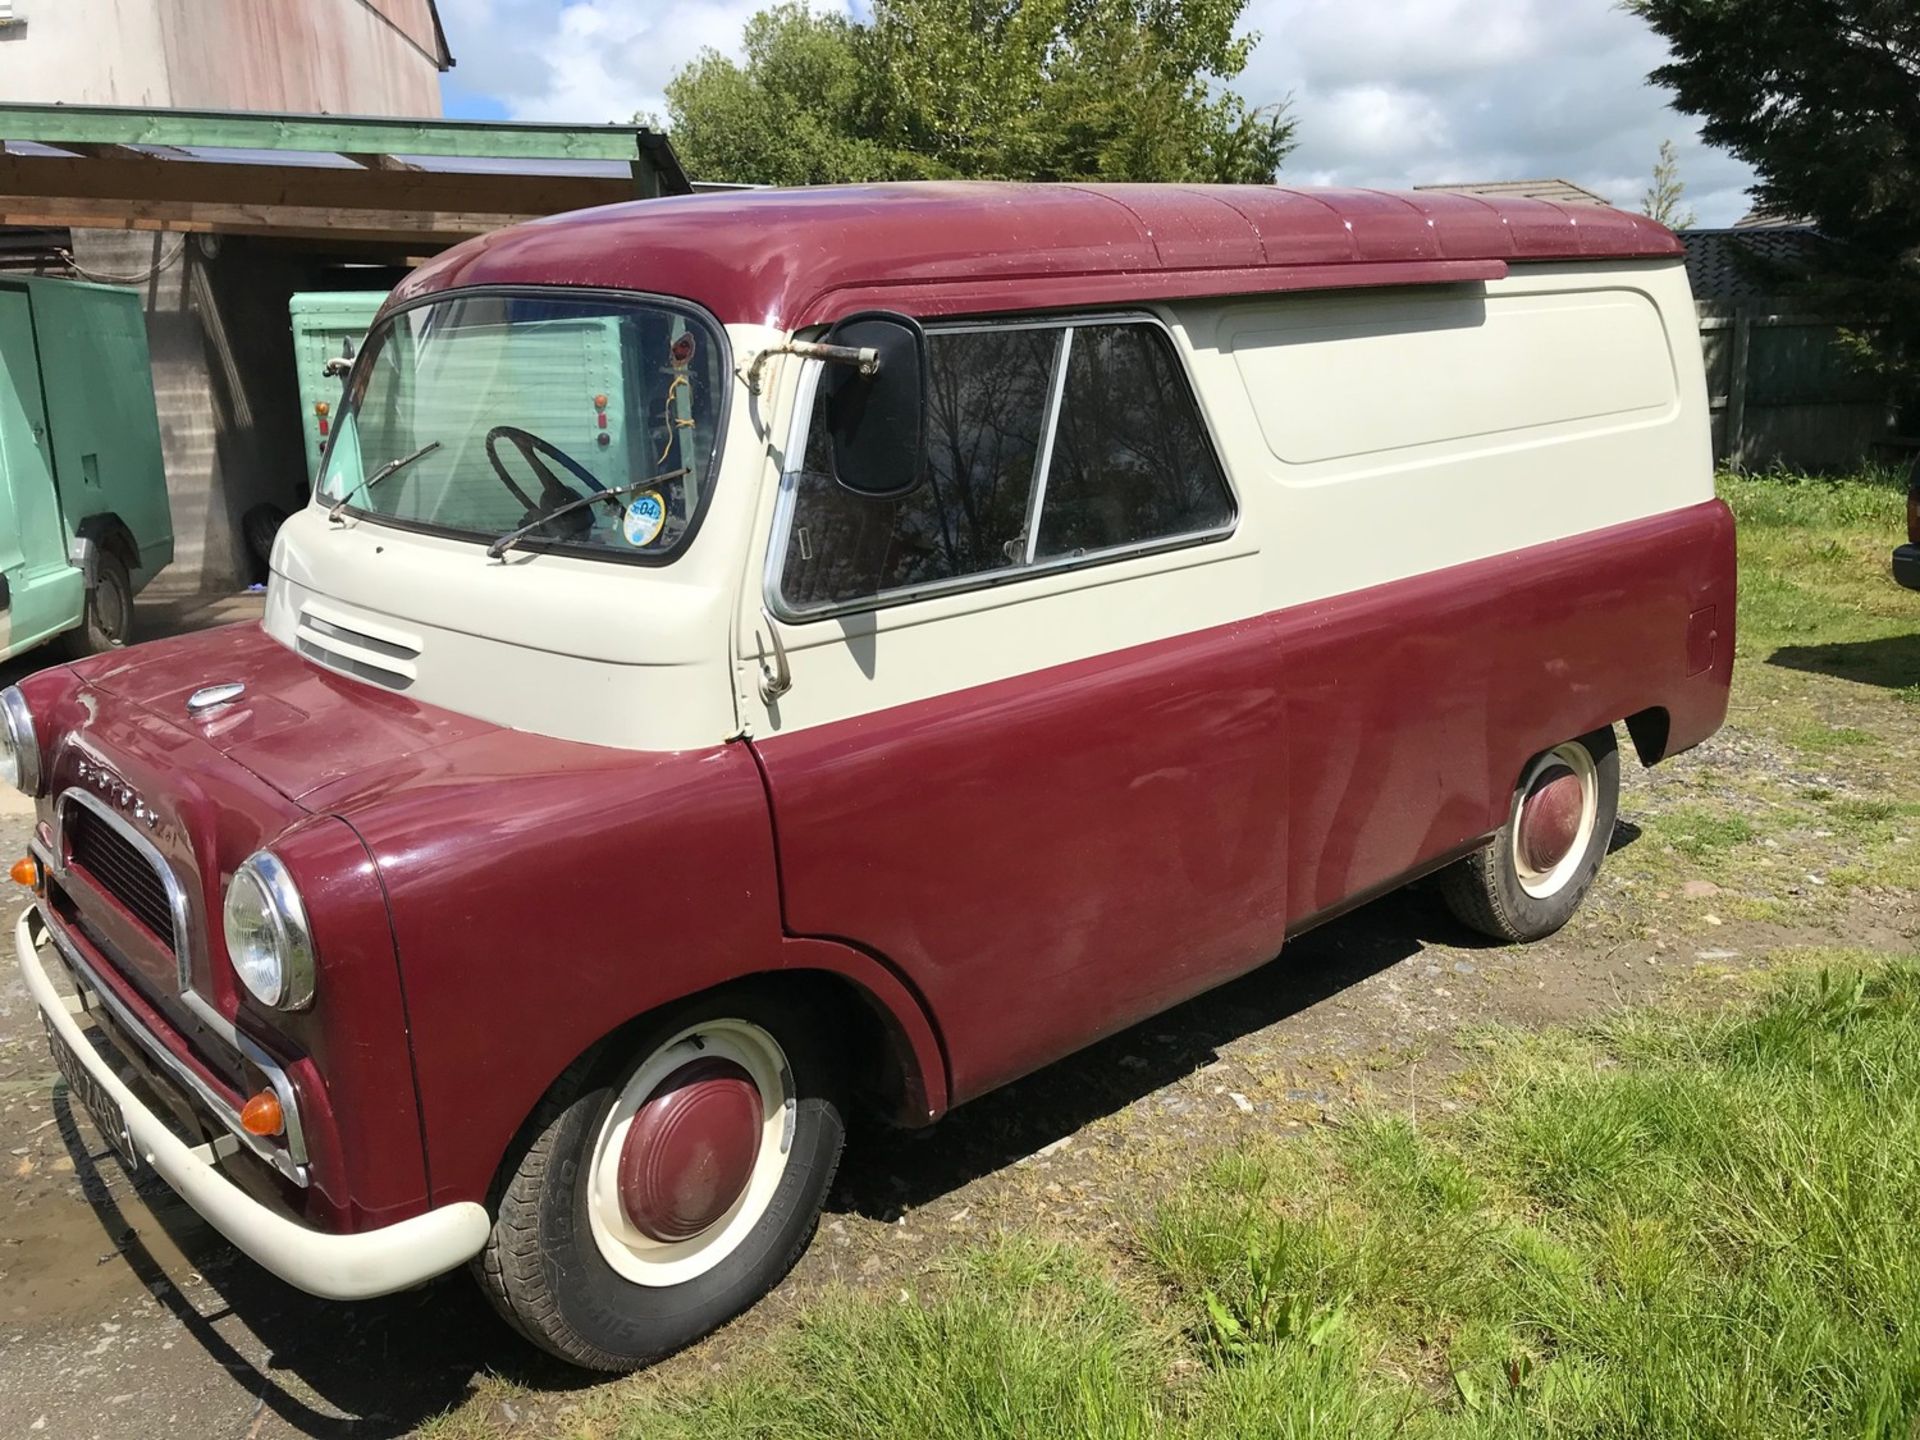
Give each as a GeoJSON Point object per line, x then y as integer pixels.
{"type": "Point", "coordinates": [986, 400]}
{"type": "Point", "coordinates": [1130, 465]}
{"type": "Point", "coordinates": [1131, 460]}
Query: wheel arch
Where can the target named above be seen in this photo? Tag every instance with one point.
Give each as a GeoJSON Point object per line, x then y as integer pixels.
{"type": "Point", "coordinates": [1650, 730]}
{"type": "Point", "coordinates": [107, 530]}
{"type": "Point", "coordinates": [897, 1063]}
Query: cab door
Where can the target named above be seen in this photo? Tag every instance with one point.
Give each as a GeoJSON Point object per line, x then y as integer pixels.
{"type": "Point", "coordinates": [44, 594]}
{"type": "Point", "coordinates": [1019, 735]}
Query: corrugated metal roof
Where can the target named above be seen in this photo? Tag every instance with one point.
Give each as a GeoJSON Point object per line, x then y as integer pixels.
{"type": "Point", "coordinates": [401, 180]}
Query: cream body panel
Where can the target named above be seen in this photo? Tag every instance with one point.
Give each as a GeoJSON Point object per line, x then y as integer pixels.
{"type": "Point", "coordinates": [1428, 498]}
{"type": "Point", "coordinates": [630, 656]}
{"type": "Point", "coordinates": [677, 656]}
{"type": "Point", "coordinates": [1381, 511]}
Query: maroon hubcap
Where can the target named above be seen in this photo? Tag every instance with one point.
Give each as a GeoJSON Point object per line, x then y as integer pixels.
{"type": "Point", "coordinates": [1550, 818]}
{"type": "Point", "coordinates": [690, 1149]}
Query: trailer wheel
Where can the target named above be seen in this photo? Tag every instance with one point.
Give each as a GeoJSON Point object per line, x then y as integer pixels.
{"type": "Point", "coordinates": [108, 621]}
{"type": "Point", "coordinates": [1526, 882]}
{"type": "Point", "coordinates": [259, 527]}
{"type": "Point", "coordinates": [661, 1190]}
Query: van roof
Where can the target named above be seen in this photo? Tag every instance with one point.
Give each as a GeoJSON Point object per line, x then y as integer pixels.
{"type": "Point", "coordinates": [793, 258]}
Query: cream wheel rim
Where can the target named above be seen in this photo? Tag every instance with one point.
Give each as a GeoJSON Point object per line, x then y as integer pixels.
{"type": "Point", "coordinates": [645, 1258]}
{"type": "Point", "coordinates": [1543, 876]}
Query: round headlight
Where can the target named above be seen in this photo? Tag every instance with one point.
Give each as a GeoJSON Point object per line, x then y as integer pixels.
{"type": "Point", "coordinates": [268, 941]}
{"type": "Point", "coordinates": [19, 747]}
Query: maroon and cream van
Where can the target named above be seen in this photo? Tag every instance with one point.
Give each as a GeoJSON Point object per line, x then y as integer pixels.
{"type": "Point", "coordinates": [757, 655]}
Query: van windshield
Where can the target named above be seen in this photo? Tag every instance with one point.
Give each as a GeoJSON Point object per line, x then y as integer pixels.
{"type": "Point", "coordinates": [478, 415]}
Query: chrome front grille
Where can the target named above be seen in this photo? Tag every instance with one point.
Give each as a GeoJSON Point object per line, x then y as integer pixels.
{"type": "Point", "coordinates": [115, 864]}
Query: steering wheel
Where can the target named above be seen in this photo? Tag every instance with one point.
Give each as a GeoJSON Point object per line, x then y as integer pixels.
{"type": "Point", "coordinates": [531, 448]}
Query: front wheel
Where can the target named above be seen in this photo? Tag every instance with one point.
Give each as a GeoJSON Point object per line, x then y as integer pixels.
{"type": "Point", "coordinates": [1527, 881]}
{"type": "Point", "coordinates": [658, 1194]}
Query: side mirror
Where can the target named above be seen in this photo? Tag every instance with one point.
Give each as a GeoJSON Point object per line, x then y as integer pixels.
{"type": "Point", "coordinates": [878, 421]}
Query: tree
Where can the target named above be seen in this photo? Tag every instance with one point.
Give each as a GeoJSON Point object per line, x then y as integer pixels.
{"type": "Point", "coordinates": [984, 89]}
{"type": "Point", "coordinates": [1663, 197]}
{"type": "Point", "coordinates": [1822, 98]}
{"type": "Point", "coordinates": [799, 111]}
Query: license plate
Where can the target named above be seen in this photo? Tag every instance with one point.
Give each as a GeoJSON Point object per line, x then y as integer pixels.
{"type": "Point", "coordinates": [108, 1118]}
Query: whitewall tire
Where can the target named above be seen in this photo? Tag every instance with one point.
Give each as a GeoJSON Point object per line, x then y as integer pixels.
{"type": "Point", "coordinates": [667, 1181]}
{"type": "Point", "coordinates": [1526, 882]}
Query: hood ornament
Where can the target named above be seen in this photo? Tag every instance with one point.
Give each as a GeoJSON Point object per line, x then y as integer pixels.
{"type": "Point", "coordinates": [211, 697]}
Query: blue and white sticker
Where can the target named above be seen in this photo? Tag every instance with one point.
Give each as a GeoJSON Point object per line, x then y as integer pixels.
{"type": "Point", "coordinates": [645, 518]}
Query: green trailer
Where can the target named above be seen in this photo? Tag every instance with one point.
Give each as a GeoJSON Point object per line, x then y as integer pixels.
{"type": "Point", "coordinates": [553, 400]}
{"type": "Point", "coordinates": [84, 521]}
{"type": "Point", "coordinates": [329, 327]}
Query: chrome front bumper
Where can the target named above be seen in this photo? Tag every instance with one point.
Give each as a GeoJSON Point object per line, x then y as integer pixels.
{"type": "Point", "coordinates": [340, 1267]}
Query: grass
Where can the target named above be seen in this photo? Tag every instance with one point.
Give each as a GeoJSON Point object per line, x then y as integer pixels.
{"type": "Point", "coordinates": [1670, 1223]}
{"type": "Point", "coordinates": [1816, 598]}
{"type": "Point", "coordinates": [1024, 1339]}
{"type": "Point", "coordinates": [1814, 562]}
{"type": "Point", "coordinates": [1697, 833]}
{"type": "Point", "coordinates": [1821, 720]}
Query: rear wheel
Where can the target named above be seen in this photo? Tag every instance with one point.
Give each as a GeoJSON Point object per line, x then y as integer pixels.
{"type": "Point", "coordinates": [1527, 881]}
{"type": "Point", "coordinates": [108, 622]}
{"type": "Point", "coordinates": [660, 1193]}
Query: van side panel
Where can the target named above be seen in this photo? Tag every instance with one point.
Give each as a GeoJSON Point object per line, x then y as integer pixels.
{"type": "Point", "coordinates": [1392, 434]}
{"type": "Point", "coordinates": [1051, 857]}
{"type": "Point", "coordinates": [1414, 706]}
{"type": "Point", "coordinates": [1475, 522]}
{"type": "Point", "coordinates": [1487, 526]}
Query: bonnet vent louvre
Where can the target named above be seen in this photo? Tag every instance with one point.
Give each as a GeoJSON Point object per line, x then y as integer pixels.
{"type": "Point", "coordinates": [358, 648]}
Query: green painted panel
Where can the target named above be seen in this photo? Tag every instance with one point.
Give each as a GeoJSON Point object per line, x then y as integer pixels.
{"type": "Point", "coordinates": [45, 593]}
{"type": "Point", "coordinates": [327, 325]}
{"type": "Point", "coordinates": [115, 125]}
{"type": "Point", "coordinates": [105, 433]}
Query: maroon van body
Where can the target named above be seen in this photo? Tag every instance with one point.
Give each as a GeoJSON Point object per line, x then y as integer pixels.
{"type": "Point", "coordinates": [471, 941]}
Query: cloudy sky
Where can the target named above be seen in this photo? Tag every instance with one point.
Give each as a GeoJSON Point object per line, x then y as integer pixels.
{"type": "Point", "coordinates": [1387, 92]}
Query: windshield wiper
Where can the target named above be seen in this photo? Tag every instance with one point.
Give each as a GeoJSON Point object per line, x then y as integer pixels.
{"type": "Point", "coordinates": [333, 511]}
{"type": "Point", "coordinates": [513, 537]}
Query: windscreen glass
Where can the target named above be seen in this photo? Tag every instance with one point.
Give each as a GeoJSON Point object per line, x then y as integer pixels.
{"type": "Point", "coordinates": [482, 415]}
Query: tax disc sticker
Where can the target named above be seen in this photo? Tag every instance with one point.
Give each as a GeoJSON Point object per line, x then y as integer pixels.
{"type": "Point", "coordinates": [645, 518]}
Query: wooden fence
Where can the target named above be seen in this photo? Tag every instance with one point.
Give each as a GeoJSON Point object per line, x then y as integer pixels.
{"type": "Point", "coordinates": [1785, 392]}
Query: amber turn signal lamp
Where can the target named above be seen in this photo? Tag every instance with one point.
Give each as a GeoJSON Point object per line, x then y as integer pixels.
{"type": "Point", "coordinates": [261, 1115]}
{"type": "Point", "coordinates": [26, 871]}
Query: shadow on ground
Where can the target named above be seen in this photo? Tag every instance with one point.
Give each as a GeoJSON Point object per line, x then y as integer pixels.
{"type": "Point", "coordinates": [1892, 662]}
{"type": "Point", "coordinates": [387, 1365]}
{"type": "Point", "coordinates": [888, 1172]}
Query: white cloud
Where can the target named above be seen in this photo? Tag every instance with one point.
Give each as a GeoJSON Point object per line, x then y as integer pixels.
{"type": "Point", "coordinates": [1404, 92]}
{"type": "Point", "coordinates": [584, 60]}
{"type": "Point", "coordinates": [1387, 92]}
